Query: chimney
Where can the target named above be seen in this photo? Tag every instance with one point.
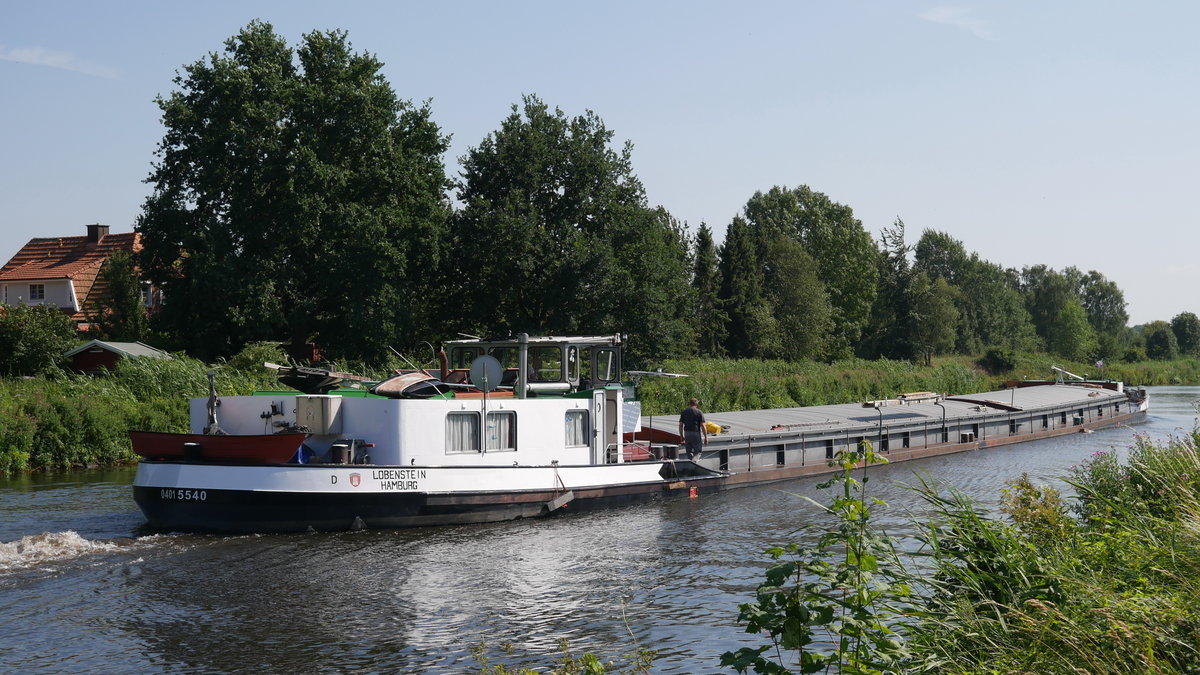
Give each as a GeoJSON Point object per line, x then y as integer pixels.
{"type": "Point", "coordinates": [96, 233]}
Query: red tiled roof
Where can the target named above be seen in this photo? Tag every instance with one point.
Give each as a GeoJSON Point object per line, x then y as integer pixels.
{"type": "Point", "coordinates": [71, 258]}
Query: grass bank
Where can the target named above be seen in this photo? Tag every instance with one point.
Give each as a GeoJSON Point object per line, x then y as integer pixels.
{"type": "Point", "coordinates": [71, 421]}
{"type": "Point", "coordinates": [67, 421]}
{"type": "Point", "coordinates": [748, 384]}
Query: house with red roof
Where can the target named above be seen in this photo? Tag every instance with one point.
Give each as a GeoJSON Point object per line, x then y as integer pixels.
{"type": "Point", "coordinates": [65, 271]}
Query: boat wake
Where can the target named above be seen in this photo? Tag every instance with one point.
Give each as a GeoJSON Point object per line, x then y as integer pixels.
{"type": "Point", "coordinates": [49, 547]}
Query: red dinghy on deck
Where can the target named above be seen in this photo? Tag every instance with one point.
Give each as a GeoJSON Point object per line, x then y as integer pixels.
{"type": "Point", "coordinates": [255, 449]}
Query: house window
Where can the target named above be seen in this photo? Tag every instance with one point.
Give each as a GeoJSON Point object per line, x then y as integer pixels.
{"type": "Point", "coordinates": [37, 291]}
{"type": "Point", "coordinates": [576, 428]}
{"type": "Point", "coordinates": [501, 431]}
{"type": "Point", "coordinates": [907, 440]}
{"type": "Point", "coordinates": [828, 448]}
{"type": "Point", "coordinates": [462, 432]}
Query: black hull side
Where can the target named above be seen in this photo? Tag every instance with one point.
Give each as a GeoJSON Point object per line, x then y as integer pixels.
{"type": "Point", "coordinates": [249, 511]}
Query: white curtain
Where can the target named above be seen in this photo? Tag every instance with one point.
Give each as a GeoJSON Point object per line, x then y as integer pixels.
{"type": "Point", "coordinates": [576, 428]}
{"type": "Point", "coordinates": [462, 432]}
{"type": "Point", "coordinates": [501, 431]}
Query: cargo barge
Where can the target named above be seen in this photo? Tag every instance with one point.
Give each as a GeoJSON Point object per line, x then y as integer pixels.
{"type": "Point", "coordinates": [534, 426]}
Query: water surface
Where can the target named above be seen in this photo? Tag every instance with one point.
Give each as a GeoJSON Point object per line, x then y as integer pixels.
{"type": "Point", "coordinates": [84, 589]}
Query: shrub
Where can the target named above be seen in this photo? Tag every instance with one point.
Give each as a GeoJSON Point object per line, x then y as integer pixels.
{"type": "Point", "coordinates": [998, 360]}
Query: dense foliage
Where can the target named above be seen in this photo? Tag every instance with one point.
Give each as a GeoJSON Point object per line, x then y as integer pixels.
{"type": "Point", "coordinates": [70, 421]}
{"type": "Point", "coordinates": [33, 339]}
{"type": "Point", "coordinates": [555, 237]}
{"type": "Point", "coordinates": [295, 198]}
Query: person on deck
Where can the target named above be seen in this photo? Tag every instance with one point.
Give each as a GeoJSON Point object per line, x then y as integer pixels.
{"type": "Point", "coordinates": [692, 429]}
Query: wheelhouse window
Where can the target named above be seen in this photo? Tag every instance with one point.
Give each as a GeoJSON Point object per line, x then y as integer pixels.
{"type": "Point", "coordinates": [545, 364]}
{"type": "Point", "coordinates": [37, 291]}
{"type": "Point", "coordinates": [607, 365]}
{"type": "Point", "coordinates": [573, 363]}
{"type": "Point", "coordinates": [462, 357]}
{"type": "Point", "coordinates": [501, 431]}
{"type": "Point", "coordinates": [462, 432]}
{"type": "Point", "coordinates": [577, 428]}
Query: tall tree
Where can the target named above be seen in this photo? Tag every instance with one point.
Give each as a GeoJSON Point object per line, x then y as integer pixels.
{"type": "Point", "coordinates": [710, 316]}
{"type": "Point", "coordinates": [1160, 341]}
{"type": "Point", "coordinates": [934, 316]}
{"type": "Point", "coordinates": [120, 313]}
{"type": "Point", "coordinates": [1104, 303]}
{"type": "Point", "coordinates": [1047, 293]}
{"type": "Point", "coordinates": [803, 316]}
{"type": "Point", "coordinates": [555, 235]}
{"type": "Point", "coordinates": [294, 196]}
{"type": "Point", "coordinates": [742, 290]}
{"type": "Point", "coordinates": [843, 251]}
{"type": "Point", "coordinates": [1186, 327]}
{"type": "Point", "coordinates": [991, 308]}
{"type": "Point", "coordinates": [1070, 335]}
{"type": "Point", "coordinates": [941, 256]}
{"type": "Point", "coordinates": [889, 329]}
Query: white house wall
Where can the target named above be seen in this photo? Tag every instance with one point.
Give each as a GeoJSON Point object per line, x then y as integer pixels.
{"type": "Point", "coordinates": [58, 293]}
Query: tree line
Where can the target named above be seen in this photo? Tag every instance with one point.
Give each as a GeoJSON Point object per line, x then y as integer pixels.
{"type": "Point", "coordinates": [295, 197]}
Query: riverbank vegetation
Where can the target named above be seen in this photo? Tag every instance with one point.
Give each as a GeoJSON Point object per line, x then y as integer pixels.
{"type": "Point", "coordinates": [749, 384]}
{"type": "Point", "coordinates": [60, 420]}
{"type": "Point", "coordinates": [1105, 585]}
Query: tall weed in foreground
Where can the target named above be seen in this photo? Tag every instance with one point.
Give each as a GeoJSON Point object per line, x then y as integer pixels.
{"type": "Point", "coordinates": [1111, 591]}
{"type": "Point", "coordinates": [836, 606]}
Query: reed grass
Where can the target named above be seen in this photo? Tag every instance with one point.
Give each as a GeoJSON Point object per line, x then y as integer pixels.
{"type": "Point", "coordinates": [1108, 586]}
{"type": "Point", "coordinates": [67, 420]}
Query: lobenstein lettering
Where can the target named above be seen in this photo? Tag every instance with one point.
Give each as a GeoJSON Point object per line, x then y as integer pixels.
{"type": "Point", "coordinates": [398, 474]}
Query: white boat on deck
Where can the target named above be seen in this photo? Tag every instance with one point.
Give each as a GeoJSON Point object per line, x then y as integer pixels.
{"type": "Point", "coordinates": [526, 427]}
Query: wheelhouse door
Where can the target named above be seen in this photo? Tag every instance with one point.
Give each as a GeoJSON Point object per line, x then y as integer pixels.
{"type": "Point", "coordinates": [599, 435]}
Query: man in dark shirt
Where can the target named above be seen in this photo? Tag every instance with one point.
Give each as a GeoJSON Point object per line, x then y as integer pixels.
{"type": "Point", "coordinates": [692, 429]}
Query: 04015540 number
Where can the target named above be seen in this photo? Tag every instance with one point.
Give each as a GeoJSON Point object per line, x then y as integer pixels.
{"type": "Point", "coordinates": [182, 495]}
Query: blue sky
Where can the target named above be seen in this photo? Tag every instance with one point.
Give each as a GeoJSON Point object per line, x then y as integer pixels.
{"type": "Point", "coordinates": [1059, 133]}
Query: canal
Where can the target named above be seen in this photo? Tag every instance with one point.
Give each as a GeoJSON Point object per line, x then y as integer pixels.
{"type": "Point", "coordinates": [84, 589]}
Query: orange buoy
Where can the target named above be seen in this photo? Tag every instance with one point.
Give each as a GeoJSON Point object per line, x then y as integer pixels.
{"type": "Point", "coordinates": [693, 493]}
